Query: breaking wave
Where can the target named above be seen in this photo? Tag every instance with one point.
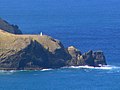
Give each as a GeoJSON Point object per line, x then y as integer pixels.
{"type": "Point", "coordinates": [106, 67]}
{"type": "Point", "coordinates": [2, 72]}
{"type": "Point", "coordinates": [17, 71]}
{"type": "Point", "coordinates": [46, 69]}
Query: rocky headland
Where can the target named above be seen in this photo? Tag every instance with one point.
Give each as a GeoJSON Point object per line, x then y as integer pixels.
{"type": "Point", "coordinates": [30, 52]}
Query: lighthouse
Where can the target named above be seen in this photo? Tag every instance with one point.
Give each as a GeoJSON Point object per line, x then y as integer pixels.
{"type": "Point", "coordinates": [41, 34]}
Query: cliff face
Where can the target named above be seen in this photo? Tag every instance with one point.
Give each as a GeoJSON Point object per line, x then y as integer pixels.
{"type": "Point", "coordinates": [40, 51]}
{"type": "Point", "coordinates": [31, 52]}
{"type": "Point", "coordinates": [4, 25]}
{"type": "Point", "coordinates": [33, 56]}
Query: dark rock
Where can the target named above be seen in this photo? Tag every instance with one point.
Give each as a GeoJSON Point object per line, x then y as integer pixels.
{"type": "Point", "coordinates": [99, 58]}
{"type": "Point", "coordinates": [57, 54]}
{"type": "Point", "coordinates": [4, 25]}
{"type": "Point", "coordinates": [89, 58]}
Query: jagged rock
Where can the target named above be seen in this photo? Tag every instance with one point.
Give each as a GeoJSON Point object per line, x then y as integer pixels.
{"type": "Point", "coordinates": [75, 56]}
{"type": "Point", "coordinates": [89, 58]}
{"type": "Point", "coordinates": [77, 59]}
{"type": "Point", "coordinates": [4, 25]}
{"type": "Point", "coordinates": [99, 58]}
{"type": "Point", "coordinates": [57, 54]}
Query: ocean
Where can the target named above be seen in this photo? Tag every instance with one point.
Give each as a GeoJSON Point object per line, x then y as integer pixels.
{"type": "Point", "coordinates": [85, 24]}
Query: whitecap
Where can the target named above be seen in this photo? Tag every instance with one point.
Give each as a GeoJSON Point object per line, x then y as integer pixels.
{"type": "Point", "coordinates": [46, 69]}
{"type": "Point", "coordinates": [5, 72]}
{"type": "Point", "coordinates": [105, 67]}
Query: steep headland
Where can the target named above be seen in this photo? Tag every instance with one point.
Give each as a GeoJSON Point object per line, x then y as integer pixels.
{"type": "Point", "coordinates": [42, 51]}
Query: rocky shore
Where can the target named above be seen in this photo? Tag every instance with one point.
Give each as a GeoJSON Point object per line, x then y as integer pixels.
{"type": "Point", "coordinates": [31, 52]}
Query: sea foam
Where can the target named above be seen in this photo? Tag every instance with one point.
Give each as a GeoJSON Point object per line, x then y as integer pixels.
{"type": "Point", "coordinates": [106, 67]}
{"type": "Point", "coordinates": [46, 69]}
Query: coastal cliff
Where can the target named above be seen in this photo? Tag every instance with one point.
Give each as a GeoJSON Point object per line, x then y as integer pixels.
{"type": "Point", "coordinates": [30, 52]}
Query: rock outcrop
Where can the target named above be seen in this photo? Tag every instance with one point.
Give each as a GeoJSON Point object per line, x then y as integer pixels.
{"type": "Point", "coordinates": [89, 58]}
{"type": "Point", "coordinates": [99, 58]}
{"type": "Point", "coordinates": [75, 56]}
{"type": "Point", "coordinates": [4, 25]}
{"type": "Point", "coordinates": [40, 51]}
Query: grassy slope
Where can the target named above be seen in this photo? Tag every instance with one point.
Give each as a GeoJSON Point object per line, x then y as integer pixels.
{"type": "Point", "coordinates": [10, 41]}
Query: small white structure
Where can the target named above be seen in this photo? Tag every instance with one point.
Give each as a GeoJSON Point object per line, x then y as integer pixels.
{"type": "Point", "coordinates": [41, 34]}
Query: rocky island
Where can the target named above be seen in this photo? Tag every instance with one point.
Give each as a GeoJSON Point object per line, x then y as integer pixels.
{"type": "Point", "coordinates": [30, 52]}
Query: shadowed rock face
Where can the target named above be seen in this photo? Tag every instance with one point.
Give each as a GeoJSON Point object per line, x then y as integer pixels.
{"type": "Point", "coordinates": [88, 58]}
{"type": "Point", "coordinates": [99, 58]}
{"type": "Point", "coordinates": [4, 25]}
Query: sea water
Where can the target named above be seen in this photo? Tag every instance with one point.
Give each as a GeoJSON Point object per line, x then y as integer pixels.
{"type": "Point", "coordinates": [85, 24]}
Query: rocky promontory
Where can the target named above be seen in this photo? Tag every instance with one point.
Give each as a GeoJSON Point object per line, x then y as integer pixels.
{"type": "Point", "coordinates": [40, 51]}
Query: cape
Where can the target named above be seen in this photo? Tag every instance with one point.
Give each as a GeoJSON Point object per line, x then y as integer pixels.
{"type": "Point", "coordinates": [33, 52]}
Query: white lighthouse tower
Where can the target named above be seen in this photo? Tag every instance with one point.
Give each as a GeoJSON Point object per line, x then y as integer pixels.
{"type": "Point", "coordinates": [41, 34]}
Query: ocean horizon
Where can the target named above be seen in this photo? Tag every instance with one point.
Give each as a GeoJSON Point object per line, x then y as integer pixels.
{"type": "Point", "coordinates": [85, 24]}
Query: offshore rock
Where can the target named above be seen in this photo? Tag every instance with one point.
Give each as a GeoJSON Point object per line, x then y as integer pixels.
{"type": "Point", "coordinates": [75, 56]}
{"type": "Point", "coordinates": [89, 58]}
{"type": "Point", "coordinates": [99, 58]}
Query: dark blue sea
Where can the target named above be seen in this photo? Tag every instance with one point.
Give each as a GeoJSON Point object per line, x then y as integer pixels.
{"type": "Point", "coordinates": [85, 24]}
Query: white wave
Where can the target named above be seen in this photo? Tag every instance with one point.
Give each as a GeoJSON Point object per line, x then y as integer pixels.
{"type": "Point", "coordinates": [14, 71]}
{"type": "Point", "coordinates": [5, 71]}
{"type": "Point", "coordinates": [106, 67]}
{"type": "Point", "coordinates": [46, 69]}
{"type": "Point", "coordinates": [11, 71]}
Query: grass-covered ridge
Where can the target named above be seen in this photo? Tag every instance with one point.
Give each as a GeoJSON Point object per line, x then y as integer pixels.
{"type": "Point", "coordinates": [10, 41]}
